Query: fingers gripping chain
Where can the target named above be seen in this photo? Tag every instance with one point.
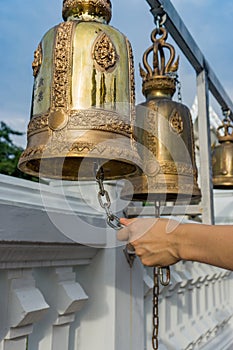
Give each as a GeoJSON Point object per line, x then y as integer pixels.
{"type": "Point", "coordinates": [161, 274]}
{"type": "Point", "coordinates": [112, 220]}
{"type": "Point", "coordinates": [104, 199]}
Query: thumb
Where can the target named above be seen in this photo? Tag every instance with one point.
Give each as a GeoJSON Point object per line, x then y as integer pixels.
{"type": "Point", "coordinates": [124, 233]}
{"type": "Point", "coordinates": [126, 222]}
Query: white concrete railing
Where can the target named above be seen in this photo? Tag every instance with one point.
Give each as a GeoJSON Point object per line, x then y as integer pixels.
{"type": "Point", "coordinates": [195, 310]}
{"type": "Point", "coordinates": [39, 292]}
{"type": "Point", "coordinates": [58, 294]}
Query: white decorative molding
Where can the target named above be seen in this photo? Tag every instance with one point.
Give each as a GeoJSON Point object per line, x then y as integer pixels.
{"type": "Point", "coordinates": [66, 297]}
{"type": "Point", "coordinates": [29, 255]}
{"type": "Point", "coordinates": [24, 306]}
{"type": "Point", "coordinates": [49, 212]}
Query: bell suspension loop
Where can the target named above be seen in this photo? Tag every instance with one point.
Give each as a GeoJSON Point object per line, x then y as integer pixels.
{"type": "Point", "coordinates": [160, 16]}
{"type": "Point", "coordinates": [226, 120]}
{"type": "Point", "coordinates": [160, 19]}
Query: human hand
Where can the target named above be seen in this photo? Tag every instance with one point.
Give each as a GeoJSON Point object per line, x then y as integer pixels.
{"type": "Point", "coordinates": [155, 240]}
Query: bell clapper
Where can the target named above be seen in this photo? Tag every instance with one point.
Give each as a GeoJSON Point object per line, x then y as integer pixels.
{"type": "Point", "coordinates": [112, 220]}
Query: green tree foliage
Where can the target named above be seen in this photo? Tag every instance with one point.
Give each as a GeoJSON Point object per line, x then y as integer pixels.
{"type": "Point", "coordinates": [10, 153]}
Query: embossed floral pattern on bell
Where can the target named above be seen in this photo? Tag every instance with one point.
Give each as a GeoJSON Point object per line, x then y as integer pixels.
{"type": "Point", "coordinates": [176, 123]}
{"type": "Point", "coordinates": [37, 60]}
{"type": "Point", "coordinates": [104, 53]}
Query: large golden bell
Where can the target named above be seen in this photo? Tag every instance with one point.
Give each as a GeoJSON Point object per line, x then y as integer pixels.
{"type": "Point", "coordinates": [164, 133]}
{"type": "Point", "coordinates": [222, 157]}
{"type": "Point", "coordinates": [83, 98]}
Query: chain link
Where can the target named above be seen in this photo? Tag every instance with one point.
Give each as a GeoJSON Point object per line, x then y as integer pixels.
{"type": "Point", "coordinates": [104, 200]}
{"type": "Point", "coordinates": [155, 309]}
{"type": "Point", "coordinates": [178, 84]}
{"type": "Point", "coordinates": [114, 222]}
{"type": "Point", "coordinates": [155, 332]}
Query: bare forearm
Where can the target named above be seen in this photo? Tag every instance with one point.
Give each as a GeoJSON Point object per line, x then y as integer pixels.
{"type": "Point", "coordinates": [208, 244]}
{"type": "Point", "coordinates": [163, 242]}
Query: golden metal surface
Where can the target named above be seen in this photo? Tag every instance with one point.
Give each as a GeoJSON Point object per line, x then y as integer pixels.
{"type": "Point", "coordinates": [83, 100]}
{"type": "Point", "coordinates": [100, 10]}
{"type": "Point", "coordinates": [164, 132]}
{"type": "Point", "coordinates": [222, 157]}
{"type": "Point", "coordinates": [104, 53]}
{"type": "Point", "coordinates": [156, 80]}
{"type": "Point", "coordinates": [37, 60]}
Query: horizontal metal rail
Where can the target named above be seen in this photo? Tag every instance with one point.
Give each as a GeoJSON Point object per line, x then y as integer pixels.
{"type": "Point", "coordinates": [177, 210]}
{"type": "Point", "coordinates": [187, 44]}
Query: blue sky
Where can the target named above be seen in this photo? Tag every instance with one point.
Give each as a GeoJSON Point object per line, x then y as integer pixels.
{"type": "Point", "coordinates": [23, 23]}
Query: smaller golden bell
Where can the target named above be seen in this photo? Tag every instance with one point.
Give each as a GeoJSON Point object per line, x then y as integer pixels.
{"type": "Point", "coordinates": [222, 157]}
{"type": "Point", "coordinates": [164, 133]}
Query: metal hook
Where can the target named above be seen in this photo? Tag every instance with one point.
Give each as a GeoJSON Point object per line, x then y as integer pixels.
{"type": "Point", "coordinates": [160, 17]}
{"type": "Point", "coordinates": [164, 275]}
{"type": "Point", "coordinates": [114, 222]}
{"type": "Point", "coordinates": [159, 13]}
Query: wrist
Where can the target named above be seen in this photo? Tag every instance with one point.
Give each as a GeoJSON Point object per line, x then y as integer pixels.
{"type": "Point", "coordinates": [191, 242]}
{"type": "Point", "coordinates": [176, 239]}
{"type": "Point", "coordinates": [182, 237]}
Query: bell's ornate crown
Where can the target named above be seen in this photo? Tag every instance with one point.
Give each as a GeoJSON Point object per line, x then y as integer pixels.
{"type": "Point", "coordinates": [160, 77]}
{"type": "Point", "coordinates": [227, 126]}
{"type": "Point", "coordinates": [78, 8]}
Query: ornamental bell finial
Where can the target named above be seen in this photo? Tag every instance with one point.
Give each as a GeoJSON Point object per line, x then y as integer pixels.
{"type": "Point", "coordinates": [98, 10]}
{"type": "Point", "coordinates": [159, 78]}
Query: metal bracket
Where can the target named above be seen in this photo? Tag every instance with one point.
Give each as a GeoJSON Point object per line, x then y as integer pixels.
{"type": "Point", "coordinates": [159, 15]}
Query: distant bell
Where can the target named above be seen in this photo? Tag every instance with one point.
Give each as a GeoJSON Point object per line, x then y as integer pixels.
{"type": "Point", "coordinates": [222, 157]}
{"type": "Point", "coordinates": [164, 132]}
{"type": "Point", "coordinates": [83, 100]}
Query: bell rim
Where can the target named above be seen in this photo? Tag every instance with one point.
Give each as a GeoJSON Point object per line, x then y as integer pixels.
{"type": "Point", "coordinates": [223, 182]}
{"type": "Point", "coordinates": [158, 191]}
{"type": "Point", "coordinates": [25, 165]}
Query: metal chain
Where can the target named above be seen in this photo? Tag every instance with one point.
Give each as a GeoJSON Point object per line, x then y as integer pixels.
{"type": "Point", "coordinates": [178, 84]}
{"type": "Point", "coordinates": [162, 275]}
{"type": "Point", "coordinates": [114, 222]}
{"type": "Point", "coordinates": [104, 200]}
{"type": "Point", "coordinates": [155, 332]}
{"type": "Point", "coordinates": [155, 310]}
